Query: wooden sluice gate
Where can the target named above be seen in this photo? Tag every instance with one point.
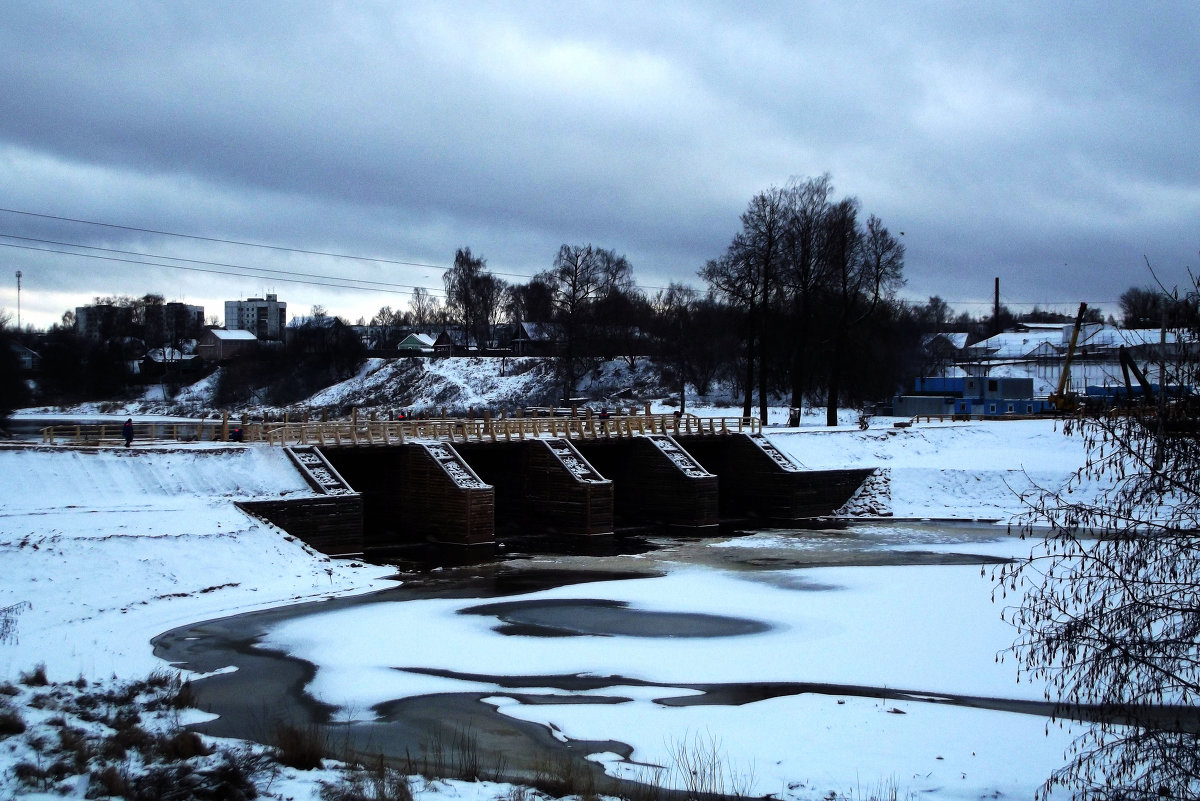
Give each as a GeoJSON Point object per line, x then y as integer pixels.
{"type": "Point", "coordinates": [467, 490]}
{"type": "Point", "coordinates": [419, 492]}
{"type": "Point", "coordinates": [543, 485]}
{"type": "Point", "coordinates": [758, 480]}
{"type": "Point", "coordinates": [331, 521]}
{"type": "Point", "coordinates": [655, 481]}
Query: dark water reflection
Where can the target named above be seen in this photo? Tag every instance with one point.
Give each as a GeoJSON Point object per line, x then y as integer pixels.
{"type": "Point", "coordinates": [268, 688]}
{"type": "Point", "coordinates": [589, 616]}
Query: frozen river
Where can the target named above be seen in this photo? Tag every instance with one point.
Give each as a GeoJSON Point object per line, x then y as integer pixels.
{"type": "Point", "coordinates": [799, 662]}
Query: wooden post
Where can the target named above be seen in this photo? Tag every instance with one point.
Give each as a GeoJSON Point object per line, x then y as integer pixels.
{"type": "Point", "coordinates": [225, 426]}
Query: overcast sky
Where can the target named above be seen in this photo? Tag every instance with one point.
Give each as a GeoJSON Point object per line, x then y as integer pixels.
{"type": "Point", "coordinates": [1053, 145]}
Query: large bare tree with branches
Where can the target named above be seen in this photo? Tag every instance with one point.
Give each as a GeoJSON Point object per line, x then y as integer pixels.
{"type": "Point", "coordinates": [1108, 604]}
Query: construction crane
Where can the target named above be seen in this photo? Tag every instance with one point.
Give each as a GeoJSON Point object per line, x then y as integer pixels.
{"type": "Point", "coordinates": [1060, 398]}
{"type": "Point", "coordinates": [1128, 365]}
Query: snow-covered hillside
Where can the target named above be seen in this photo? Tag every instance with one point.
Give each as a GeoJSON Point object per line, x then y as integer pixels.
{"type": "Point", "coordinates": [111, 547]}
{"type": "Point", "coordinates": [423, 385]}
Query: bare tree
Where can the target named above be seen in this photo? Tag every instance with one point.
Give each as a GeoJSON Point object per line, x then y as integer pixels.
{"type": "Point", "coordinates": [737, 280]}
{"type": "Point", "coordinates": [581, 275]}
{"type": "Point", "coordinates": [749, 277]}
{"type": "Point", "coordinates": [764, 226]}
{"type": "Point", "coordinates": [1140, 307]}
{"type": "Point", "coordinates": [1108, 605]}
{"type": "Point", "coordinates": [490, 293]}
{"type": "Point", "coordinates": [460, 283]}
{"type": "Point", "coordinates": [387, 316]}
{"type": "Point", "coordinates": [424, 307]}
{"type": "Point", "coordinates": [532, 302]}
{"type": "Point", "coordinates": [865, 268]}
{"type": "Point", "coordinates": [673, 308]}
{"type": "Point", "coordinates": [804, 275]}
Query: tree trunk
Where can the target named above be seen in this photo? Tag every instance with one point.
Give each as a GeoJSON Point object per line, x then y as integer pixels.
{"type": "Point", "coordinates": [762, 379]}
{"type": "Point", "coordinates": [835, 374]}
{"type": "Point", "coordinates": [682, 388]}
{"type": "Point", "coordinates": [798, 365]}
{"type": "Point", "coordinates": [749, 387]}
{"type": "Point", "coordinates": [799, 353]}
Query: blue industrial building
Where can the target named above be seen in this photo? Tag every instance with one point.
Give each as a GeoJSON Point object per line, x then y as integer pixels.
{"type": "Point", "coordinates": [969, 395]}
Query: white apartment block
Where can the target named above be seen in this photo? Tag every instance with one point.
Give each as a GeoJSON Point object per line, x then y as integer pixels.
{"type": "Point", "coordinates": [266, 317]}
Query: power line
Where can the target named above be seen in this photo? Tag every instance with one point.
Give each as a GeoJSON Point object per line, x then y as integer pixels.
{"type": "Point", "coordinates": [330, 254]}
{"type": "Point", "coordinates": [389, 284]}
{"type": "Point", "coordinates": [277, 248]}
{"type": "Point", "coordinates": [1025, 302]}
{"type": "Point", "coordinates": [203, 269]}
{"type": "Point", "coordinates": [223, 241]}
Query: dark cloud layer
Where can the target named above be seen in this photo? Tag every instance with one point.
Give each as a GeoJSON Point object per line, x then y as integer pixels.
{"type": "Point", "coordinates": [1052, 146]}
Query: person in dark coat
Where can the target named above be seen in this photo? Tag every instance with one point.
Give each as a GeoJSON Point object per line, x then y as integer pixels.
{"type": "Point", "coordinates": [127, 432]}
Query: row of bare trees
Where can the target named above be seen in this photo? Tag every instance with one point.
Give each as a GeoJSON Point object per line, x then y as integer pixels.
{"type": "Point", "coordinates": [808, 262]}
{"type": "Point", "coordinates": [797, 305]}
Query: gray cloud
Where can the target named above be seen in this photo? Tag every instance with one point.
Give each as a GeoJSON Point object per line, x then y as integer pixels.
{"type": "Point", "coordinates": [1050, 146]}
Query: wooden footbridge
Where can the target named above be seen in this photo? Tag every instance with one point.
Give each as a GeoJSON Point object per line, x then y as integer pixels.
{"type": "Point", "coordinates": [470, 482]}
{"type": "Point", "coordinates": [357, 431]}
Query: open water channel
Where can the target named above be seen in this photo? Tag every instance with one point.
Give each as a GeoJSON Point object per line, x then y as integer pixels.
{"type": "Point", "coordinates": [457, 665]}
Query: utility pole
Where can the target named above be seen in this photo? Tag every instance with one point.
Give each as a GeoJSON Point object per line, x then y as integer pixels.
{"type": "Point", "coordinates": [18, 300]}
{"type": "Point", "coordinates": [996, 309]}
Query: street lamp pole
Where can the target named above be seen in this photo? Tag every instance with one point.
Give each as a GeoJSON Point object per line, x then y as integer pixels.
{"type": "Point", "coordinates": [18, 300]}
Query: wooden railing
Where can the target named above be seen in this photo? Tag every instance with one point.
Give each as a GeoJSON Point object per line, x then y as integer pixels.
{"type": "Point", "coordinates": [113, 433]}
{"type": "Point", "coordinates": [392, 432]}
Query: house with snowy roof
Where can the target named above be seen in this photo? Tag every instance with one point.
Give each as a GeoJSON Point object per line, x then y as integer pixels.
{"type": "Point", "coordinates": [536, 339]}
{"type": "Point", "coordinates": [219, 345]}
{"type": "Point", "coordinates": [416, 344]}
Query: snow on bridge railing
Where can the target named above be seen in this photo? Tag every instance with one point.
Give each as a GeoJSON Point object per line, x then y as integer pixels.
{"type": "Point", "coordinates": [391, 432]}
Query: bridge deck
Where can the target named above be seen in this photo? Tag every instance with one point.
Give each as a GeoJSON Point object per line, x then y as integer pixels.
{"type": "Point", "coordinates": [397, 432]}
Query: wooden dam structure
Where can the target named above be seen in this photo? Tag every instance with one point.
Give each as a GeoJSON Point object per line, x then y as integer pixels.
{"type": "Point", "coordinates": [470, 483]}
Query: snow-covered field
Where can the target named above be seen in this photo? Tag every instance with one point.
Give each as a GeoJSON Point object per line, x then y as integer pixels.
{"type": "Point", "coordinates": [112, 548]}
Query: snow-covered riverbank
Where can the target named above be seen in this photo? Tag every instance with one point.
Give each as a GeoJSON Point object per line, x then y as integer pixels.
{"type": "Point", "coordinates": [111, 547]}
